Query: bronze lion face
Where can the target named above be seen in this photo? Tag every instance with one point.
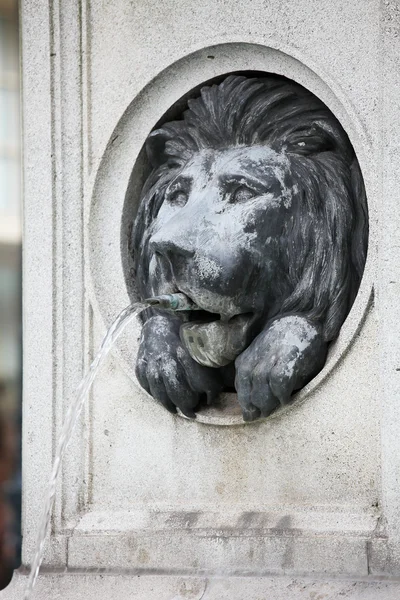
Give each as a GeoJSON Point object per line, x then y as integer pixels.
{"type": "Point", "coordinates": [256, 210]}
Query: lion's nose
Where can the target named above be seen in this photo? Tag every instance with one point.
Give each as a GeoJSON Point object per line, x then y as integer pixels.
{"type": "Point", "coordinates": [171, 248]}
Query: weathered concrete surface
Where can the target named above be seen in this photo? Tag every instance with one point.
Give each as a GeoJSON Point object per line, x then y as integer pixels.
{"type": "Point", "coordinates": [104, 587]}
{"type": "Point", "coordinates": [141, 489]}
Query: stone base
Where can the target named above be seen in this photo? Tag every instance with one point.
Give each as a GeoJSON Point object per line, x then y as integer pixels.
{"type": "Point", "coordinates": [79, 586]}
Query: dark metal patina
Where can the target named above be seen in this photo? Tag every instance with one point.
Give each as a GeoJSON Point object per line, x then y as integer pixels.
{"type": "Point", "coordinates": [255, 209]}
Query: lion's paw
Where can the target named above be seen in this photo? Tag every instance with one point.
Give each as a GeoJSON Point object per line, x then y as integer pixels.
{"type": "Point", "coordinates": [167, 372]}
{"type": "Point", "coordinates": [281, 359]}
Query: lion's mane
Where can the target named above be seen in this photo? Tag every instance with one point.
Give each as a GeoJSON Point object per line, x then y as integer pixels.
{"type": "Point", "coordinates": [325, 240]}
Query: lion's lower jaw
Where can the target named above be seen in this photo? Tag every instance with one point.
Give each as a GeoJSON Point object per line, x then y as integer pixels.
{"type": "Point", "coordinates": [217, 343]}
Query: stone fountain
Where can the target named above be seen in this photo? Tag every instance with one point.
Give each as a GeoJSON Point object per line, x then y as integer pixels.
{"type": "Point", "coordinates": [245, 155]}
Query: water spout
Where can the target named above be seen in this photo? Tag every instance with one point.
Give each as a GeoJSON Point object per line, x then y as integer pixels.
{"type": "Point", "coordinates": [74, 410]}
{"type": "Point", "coordinates": [175, 302]}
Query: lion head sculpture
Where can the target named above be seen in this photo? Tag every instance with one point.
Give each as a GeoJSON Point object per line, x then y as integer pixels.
{"type": "Point", "coordinates": [255, 209]}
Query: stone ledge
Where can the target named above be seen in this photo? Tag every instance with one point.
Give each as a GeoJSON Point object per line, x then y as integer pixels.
{"type": "Point", "coordinates": [230, 542]}
{"type": "Point", "coordinates": [80, 586]}
{"type": "Point", "coordinates": [230, 519]}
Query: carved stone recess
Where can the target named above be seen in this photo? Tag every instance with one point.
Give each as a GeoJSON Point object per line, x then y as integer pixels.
{"type": "Point", "coordinates": [219, 466]}
{"type": "Point", "coordinates": [255, 208]}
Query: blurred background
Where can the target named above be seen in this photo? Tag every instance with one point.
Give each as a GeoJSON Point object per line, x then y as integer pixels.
{"type": "Point", "coordinates": [10, 295]}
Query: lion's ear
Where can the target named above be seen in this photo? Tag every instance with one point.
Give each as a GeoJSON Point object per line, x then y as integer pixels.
{"type": "Point", "coordinates": [155, 146]}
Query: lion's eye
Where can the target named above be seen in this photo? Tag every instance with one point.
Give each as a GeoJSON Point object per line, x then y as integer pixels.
{"type": "Point", "coordinates": [243, 193]}
{"type": "Point", "coordinates": [178, 198]}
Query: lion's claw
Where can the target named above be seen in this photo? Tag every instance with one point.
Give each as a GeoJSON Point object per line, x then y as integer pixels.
{"type": "Point", "coordinates": [167, 372]}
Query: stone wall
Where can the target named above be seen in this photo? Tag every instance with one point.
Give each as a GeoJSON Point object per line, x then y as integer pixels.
{"type": "Point", "coordinates": [313, 490]}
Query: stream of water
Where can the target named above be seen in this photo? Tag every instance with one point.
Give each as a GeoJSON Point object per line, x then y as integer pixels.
{"type": "Point", "coordinates": [70, 421]}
